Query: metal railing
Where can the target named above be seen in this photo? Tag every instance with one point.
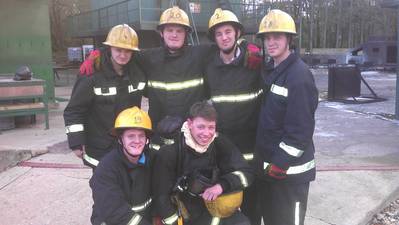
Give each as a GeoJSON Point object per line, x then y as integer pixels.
{"type": "Point", "coordinates": [132, 12]}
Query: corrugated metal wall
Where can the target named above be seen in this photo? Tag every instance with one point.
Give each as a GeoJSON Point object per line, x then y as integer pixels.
{"type": "Point", "coordinates": [25, 38]}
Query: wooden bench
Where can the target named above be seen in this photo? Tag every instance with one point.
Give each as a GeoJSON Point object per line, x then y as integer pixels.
{"type": "Point", "coordinates": [20, 98]}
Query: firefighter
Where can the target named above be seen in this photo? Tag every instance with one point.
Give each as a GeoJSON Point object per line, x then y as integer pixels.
{"type": "Point", "coordinates": [284, 154]}
{"type": "Point", "coordinates": [96, 100]}
{"type": "Point", "coordinates": [235, 92]}
{"type": "Point", "coordinates": [121, 182]}
{"type": "Point", "coordinates": [200, 178]}
{"type": "Point", "coordinates": [174, 75]}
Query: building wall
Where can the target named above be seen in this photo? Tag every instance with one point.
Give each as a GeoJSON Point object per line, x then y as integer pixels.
{"type": "Point", "coordinates": [25, 38]}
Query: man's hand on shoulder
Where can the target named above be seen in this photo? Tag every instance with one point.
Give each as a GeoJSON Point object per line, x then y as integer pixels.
{"type": "Point", "coordinates": [91, 63]}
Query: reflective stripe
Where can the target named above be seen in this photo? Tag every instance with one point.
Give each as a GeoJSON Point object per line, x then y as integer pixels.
{"type": "Point", "coordinates": [291, 150]}
{"type": "Point", "coordinates": [297, 204]}
{"type": "Point", "coordinates": [215, 221]}
{"type": "Point", "coordinates": [142, 207]}
{"type": "Point", "coordinates": [278, 90]}
{"type": "Point", "coordinates": [155, 146]}
{"type": "Point", "coordinates": [90, 160]}
{"type": "Point", "coordinates": [140, 86]}
{"type": "Point", "coordinates": [171, 219]}
{"type": "Point", "coordinates": [74, 128]}
{"type": "Point", "coordinates": [136, 219]}
{"type": "Point", "coordinates": [236, 98]}
{"type": "Point", "coordinates": [248, 156]}
{"type": "Point", "coordinates": [167, 141]}
{"type": "Point", "coordinates": [297, 169]}
{"type": "Point", "coordinates": [242, 177]}
{"type": "Point", "coordinates": [99, 91]}
{"type": "Point", "coordinates": [176, 85]}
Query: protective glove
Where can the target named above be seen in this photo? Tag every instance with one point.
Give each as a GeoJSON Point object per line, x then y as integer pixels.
{"type": "Point", "coordinates": [156, 220]}
{"type": "Point", "coordinates": [91, 63]}
{"type": "Point", "coordinates": [276, 172]}
{"type": "Point", "coordinates": [253, 58]}
{"type": "Point", "coordinates": [169, 126]}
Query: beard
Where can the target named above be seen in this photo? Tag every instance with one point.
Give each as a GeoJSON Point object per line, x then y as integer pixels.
{"type": "Point", "coordinates": [229, 50]}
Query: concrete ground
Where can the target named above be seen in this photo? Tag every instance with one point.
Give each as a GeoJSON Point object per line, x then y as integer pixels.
{"type": "Point", "coordinates": [357, 154]}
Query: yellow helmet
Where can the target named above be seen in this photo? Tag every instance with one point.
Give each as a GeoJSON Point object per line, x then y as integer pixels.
{"type": "Point", "coordinates": [132, 118]}
{"type": "Point", "coordinates": [222, 16]}
{"type": "Point", "coordinates": [225, 205]}
{"type": "Point", "coordinates": [277, 21]}
{"type": "Point", "coordinates": [174, 15]}
{"type": "Point", "coordinates": [123, 36]}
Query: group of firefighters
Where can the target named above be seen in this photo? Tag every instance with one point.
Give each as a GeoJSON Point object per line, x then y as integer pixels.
{"type": "Point", "coordinates": [228, 134]}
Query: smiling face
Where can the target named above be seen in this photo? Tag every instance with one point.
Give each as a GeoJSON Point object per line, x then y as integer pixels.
{"type": "Point", "coordinates": [202, 130]}
{"type": "Point", "coordinates": [225, 37]}
{"type": "Point", "coordinates": [277, 45]}
{"type": "Point", "coordinates": [134, 141]}
{"type": "Point", "coordinates": [173, 36]}
{"type": "Point", "coordinates": [121, 56]}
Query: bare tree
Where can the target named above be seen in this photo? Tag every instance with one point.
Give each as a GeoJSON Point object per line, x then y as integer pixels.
{"type": "Point", "coordinates": [59, 10]}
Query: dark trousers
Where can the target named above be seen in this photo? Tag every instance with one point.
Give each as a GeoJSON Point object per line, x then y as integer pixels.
{"type": "Point", "coordinates": [236, 219]}
{"type": "Point", "coordinates": [251, 204]}
{"type": "Point", "coordinates": [283, 204]}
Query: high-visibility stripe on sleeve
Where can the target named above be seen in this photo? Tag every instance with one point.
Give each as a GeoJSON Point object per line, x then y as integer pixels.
{"type": "Point", "coordinates": [136, 219]}
{"type": "Point", "coordinates": [171, 219]}
{"type": "Point", "coordinates": [155, 146]}
{"type": "Point", "coordinates": [278, 90]}
{"type": "Point", "coordinates": [142, 207]}
{"type": "Point", "coordinates": [297, 169]}
{"type": "Point", "coordinates": [248, 156]}
{"type": "Point", "coordinates": [140, 86]}
{"type": "Point", "coordinates": [175, 86]}
{"type": "Point", "coordinates": [215, 221]}
{"type": "Point", "coordinates": [242, 178]}
{"type": "Point", "coordinates": [90, 160]}
{"type": "Point", "coordinates": [74, 128]}
{"type": "Point", "coordinates": [291, 150]}
{"type": "Point", "coordinates": [105, 91]}
{"type": "Point", "coordinates": [236, 98]}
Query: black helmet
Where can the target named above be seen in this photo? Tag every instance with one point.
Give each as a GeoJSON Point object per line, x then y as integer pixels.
{"type": "Point", "coordinates": [23, 73]}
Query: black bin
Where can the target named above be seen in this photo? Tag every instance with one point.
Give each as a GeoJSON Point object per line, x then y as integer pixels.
{"type": "Point", "coordinates": [343, 81]}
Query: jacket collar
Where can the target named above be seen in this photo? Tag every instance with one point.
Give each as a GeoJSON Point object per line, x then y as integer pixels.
{"type": "Point", "coordinates": [271, 73]}
{"type": "Point", "coordinates": [178, 53]}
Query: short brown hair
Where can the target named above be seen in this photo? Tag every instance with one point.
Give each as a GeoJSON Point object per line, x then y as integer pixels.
{"type": "Point", "coordinates": [203, 109]}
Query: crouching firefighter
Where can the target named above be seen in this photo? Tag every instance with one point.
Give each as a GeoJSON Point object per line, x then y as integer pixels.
{"type": "Point", "coordinates": [121, 181]}
{"type": "Point", "coordinates": [200, 178]}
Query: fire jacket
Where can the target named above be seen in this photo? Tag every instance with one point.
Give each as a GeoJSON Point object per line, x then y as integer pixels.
{"type": "Point", "coordinates": [121, 189]}
{"type": "Point", "coordinates": [234, 174]}
{"type": "Point", "coordinates": [236, 94]}
{"type": "Point", "coordinates": [287, 121]}
{"type": "Point", "coordinates": [96, 101]}
{"type": "Point", "coordinates": [175, 81]}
